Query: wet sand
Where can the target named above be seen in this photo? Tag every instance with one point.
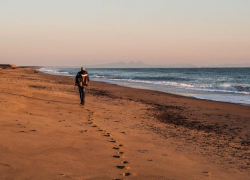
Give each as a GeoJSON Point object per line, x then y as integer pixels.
{"type": "Point", "coordinates": [120, 133]}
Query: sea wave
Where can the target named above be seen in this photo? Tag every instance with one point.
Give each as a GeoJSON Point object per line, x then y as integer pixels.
{"type": "Point", "coordinates": [98, 76]}
{"type": "Point", "coordinates": [225, 88]}
{"type": "Point", "coordinates": [55, 72]}
{"type": "Point", "coordinates": [217, 85]}
{"type": "Point", "coordinates": [143, 78]}
{"type": "Point", "coordinates": [222, 88]}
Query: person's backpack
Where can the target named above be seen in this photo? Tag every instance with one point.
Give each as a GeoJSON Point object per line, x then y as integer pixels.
{"type": "Point", "coordinates": [83, 80]}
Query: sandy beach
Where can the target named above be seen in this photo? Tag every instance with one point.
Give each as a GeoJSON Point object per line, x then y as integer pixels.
{"type": "Point", "coordinates": [120, 133]}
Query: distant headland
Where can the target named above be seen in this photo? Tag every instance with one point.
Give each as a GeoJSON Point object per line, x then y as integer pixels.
{"type": "Point", "coordinates": [8, 66]}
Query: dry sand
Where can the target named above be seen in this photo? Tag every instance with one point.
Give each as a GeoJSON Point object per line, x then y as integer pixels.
{"type": "Point", "coordinates": [120, 133]}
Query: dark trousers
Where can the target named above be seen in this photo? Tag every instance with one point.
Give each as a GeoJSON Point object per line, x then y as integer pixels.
{"type": "Point", "coordinates": [82, 93]}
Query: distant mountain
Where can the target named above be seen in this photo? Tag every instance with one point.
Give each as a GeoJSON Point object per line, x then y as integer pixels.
{"type": "Point", "coordinates": [180, 66]}
{"type": "Point", "coordinates": [138, 64]}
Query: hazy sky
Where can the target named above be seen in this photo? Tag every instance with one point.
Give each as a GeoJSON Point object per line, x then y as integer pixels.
{"type": "Point", "coordinates": [79, 32]}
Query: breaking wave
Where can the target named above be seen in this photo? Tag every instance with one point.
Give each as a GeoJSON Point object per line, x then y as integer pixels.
{"type": "Point", "coordinates": [227, 88]}
{"type": "Point", "coordinates": [55, 72]}
{"type": "Point", "coordinates": [221, 84]}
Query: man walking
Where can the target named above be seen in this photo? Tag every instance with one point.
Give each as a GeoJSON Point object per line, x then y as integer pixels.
{"type": "Point", "coordinates": [82, 80]}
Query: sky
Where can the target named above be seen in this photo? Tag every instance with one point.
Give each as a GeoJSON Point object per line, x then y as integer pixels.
{"type": "Point", "coordinates": [159, 32]}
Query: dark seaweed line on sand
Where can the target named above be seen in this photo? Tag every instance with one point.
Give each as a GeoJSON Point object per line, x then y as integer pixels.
{"type": "Point", "coordinates": [166, 113]}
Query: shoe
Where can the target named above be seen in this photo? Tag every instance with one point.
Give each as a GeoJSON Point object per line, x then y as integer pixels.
{"type": "Point", "coordinates": [82, 103]}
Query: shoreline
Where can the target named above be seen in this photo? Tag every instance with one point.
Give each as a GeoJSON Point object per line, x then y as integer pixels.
{"type": "Point", "coordinates": [177, 112]}
{"type": "Point", "coordinates": [109, 92]}
{"type": "Point", "coordinates": [157, 135]}
{"type": "Point", "coordinates": [182, 96]}
{"type": "Point", "coordinates": [146, 88]}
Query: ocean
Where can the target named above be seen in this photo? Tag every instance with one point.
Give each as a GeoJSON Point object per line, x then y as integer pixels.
{"type": "Point", "coordinates": [217, 84]}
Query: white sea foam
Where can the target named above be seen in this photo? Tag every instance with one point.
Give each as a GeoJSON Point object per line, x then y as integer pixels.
{"type": "Point", "coordinates": [189, 86]}
{"type": "Point", "coordinates": [239, 99]}
{"type": "Point", "coordinates": [226, 88]}
{"type": "Point", "coordinates": [97, 76]}
{"type": "Point", "coordinates": [53, 71]}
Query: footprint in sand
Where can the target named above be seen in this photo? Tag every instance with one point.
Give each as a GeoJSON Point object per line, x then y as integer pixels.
{"type": "Point", "coordinates": [120, 153]}
{"type": "Point", "coordinates": [65, 175]}
{"type": "Point", "coordinates": [5, 164]}
{"type": "Point", "coordinates": [122, 167]}
{"type": "Point", "coordinates": [33, 130]}
{"type": "Point", "coordinates": [207, 173]}
{"type": "Point", "coordinates": [116, 156]}
{"type": "Point", "coordinates": [94, 126]}
{"type": "Point", "coordinates": [126, 174]}
{"type": "Point", "coordinates": [142, 151]}
{"type": "Point", "coordinates": [82, 131]}
{"type": "Point", "coordinates": [22, 131]}
{"type": "Point", "coordinates": [116, 148]}
{"type": "Point", "coordinates": [125, 162]}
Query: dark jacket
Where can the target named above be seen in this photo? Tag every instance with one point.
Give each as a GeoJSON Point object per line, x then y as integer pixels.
{"type": "Point", "coordinates": [85, 78]}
